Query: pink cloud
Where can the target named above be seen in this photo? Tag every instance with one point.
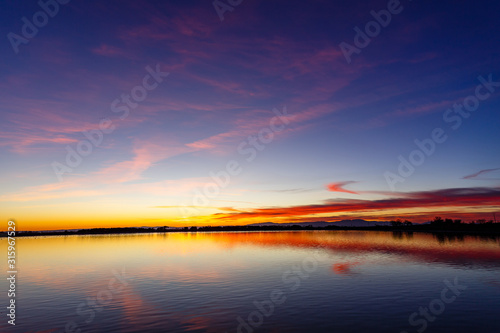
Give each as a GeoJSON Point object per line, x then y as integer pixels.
{"type": "Point", "coordinates": [339, 187]}
{"type": "Point", "coordinates": [41, 122]}
{"type": "Point", "coordinates": [110, 51]}
{"type": "Point", "coordinates": [146, 154]}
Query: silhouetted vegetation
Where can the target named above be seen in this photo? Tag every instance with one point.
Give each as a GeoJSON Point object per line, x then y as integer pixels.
{"type": "Point", "coordinates": [399, 228]}
{"type": "Point", "coordinates": [399, 223]}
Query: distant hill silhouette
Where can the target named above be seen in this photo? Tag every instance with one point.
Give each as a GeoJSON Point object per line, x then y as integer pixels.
{"type": "Point", "coordinates": [437, 225]}
{"type": "Point", "coordinates": [322, 224]}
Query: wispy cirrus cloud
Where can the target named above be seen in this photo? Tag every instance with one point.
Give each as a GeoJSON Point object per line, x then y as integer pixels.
{"type": "Point", "coordinates": [146, 154]}
{"type": "Point", "coordinates": [116, 176]}
{"type": "Point", "coordinates": [107, 50]}
{"type": "Point", "coordinates": [479, 173]}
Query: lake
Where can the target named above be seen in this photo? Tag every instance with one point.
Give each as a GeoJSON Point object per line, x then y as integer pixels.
{"type": "Point", "coordinates": [304, 281]}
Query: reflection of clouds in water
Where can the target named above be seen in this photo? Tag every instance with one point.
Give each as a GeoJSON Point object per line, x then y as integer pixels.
{"type": "Point", "coordinates": [145, 312]}
{"type": "Point", "coordinates": [489, 282]}
{"type": "Point", "coordinates": [44, 276]}
{"type": "Point", "coordinates": [472, 250]}
{"type": "Point", "coordinates": [184, 274]}
{"type": "Point", "coordinates": [133, 307]}
{"type": "Point", "coordinates": [494, 283]}
{"type": "Point", "coordinates": [345, 268]}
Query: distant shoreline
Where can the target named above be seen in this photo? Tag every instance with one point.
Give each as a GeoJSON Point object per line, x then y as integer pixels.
{"type": "Point", "coordinates": [467, 229]}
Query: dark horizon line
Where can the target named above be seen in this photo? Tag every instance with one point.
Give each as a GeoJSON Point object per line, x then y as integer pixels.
{"type": "Point", "coordinates": [278, 224]}
{"type": "Point", "coordinates": [472, 228]}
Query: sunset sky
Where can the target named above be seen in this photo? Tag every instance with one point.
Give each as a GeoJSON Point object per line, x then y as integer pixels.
{"type": "Point", "coordinates": [152, 113]}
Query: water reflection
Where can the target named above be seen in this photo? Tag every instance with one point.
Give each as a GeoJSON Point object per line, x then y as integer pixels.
{"type": "Point", "coordinates": [345, 268]}
{"type": "Point", "coordinates": [438, 247]}
{"type": "Point", "coordinates": [202, 282]}
{"type": "Point", "coordinates": [402, 235]}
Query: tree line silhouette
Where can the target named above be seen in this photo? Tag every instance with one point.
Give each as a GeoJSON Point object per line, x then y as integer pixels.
{"type": "Point", "coordinates": [438, 224]}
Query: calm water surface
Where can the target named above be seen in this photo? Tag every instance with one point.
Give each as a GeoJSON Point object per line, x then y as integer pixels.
{"type": "Point", "coordinates": [322, 281]}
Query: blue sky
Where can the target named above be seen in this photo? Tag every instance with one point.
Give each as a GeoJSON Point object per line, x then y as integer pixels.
{"type": "Point", "coordinates": [347, 123]}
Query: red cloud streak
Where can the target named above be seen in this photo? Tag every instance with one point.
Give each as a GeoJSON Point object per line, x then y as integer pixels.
{"type": "Point", "coordinates": [457, 197]}
{"type": "Point", "coordinates": [339, 187]}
